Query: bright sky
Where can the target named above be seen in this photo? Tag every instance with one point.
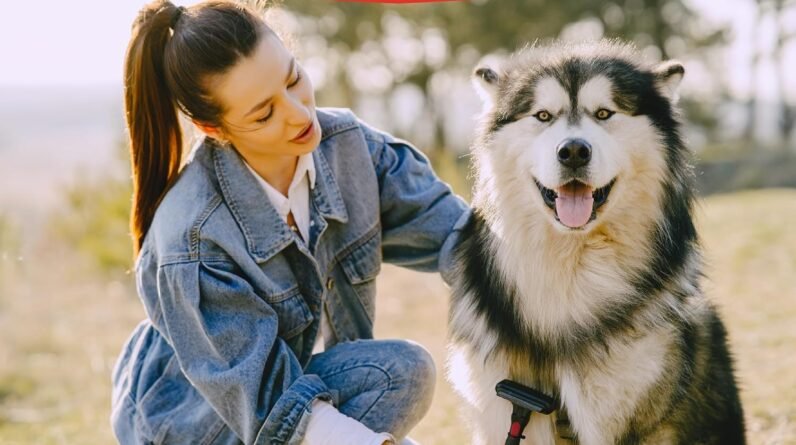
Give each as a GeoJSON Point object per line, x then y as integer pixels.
{"type": "Point", "coordinates": [82, 42]}
{"type": "Point", "coordinates": [54, 42]}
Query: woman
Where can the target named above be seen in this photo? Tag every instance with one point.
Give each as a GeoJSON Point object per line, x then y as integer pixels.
{"type": "Point", "coordinates": [269, 238]}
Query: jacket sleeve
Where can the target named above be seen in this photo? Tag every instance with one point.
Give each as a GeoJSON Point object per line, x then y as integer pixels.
{"type": "Point", "coordinates": [421, 217]}
{"type": "Point", "coordinates": [225, 338]}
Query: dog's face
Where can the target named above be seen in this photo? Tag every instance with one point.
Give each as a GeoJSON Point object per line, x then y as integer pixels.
{"type": "Point", "coordinates": [579, 128]}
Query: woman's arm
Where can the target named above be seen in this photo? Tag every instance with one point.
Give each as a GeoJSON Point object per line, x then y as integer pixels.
{"type": "Point", "coordinates": [225, 338]}
{"type": "Point", "coordinates": [420, 215]}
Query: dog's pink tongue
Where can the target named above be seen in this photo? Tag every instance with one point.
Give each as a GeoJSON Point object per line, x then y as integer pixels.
{"type": "Point", "coordinates": [574, 204]}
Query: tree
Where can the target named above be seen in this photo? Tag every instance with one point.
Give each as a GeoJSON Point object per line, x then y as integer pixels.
{"type": "Point", "coordinates": [366, 33]}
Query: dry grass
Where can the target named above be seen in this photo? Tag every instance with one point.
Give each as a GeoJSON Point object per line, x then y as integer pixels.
{"type": "Point", "coordinates": [62, 329]}
{"type": "Point", "coordinates": [61, 332]}
{"type": "Point", "coordinates": [750, 246]}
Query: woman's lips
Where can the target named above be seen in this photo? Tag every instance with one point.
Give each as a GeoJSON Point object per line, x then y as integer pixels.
{"type": "Point", "coordinates": [304, 135]}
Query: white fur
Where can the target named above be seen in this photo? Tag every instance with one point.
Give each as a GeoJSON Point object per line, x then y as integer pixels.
{"type": "Point", "coordinates": [670, 86]}
{"type": "Point", "coordinates": [564, 276]}
{"type": "Point", "coordinates": [599, 402]}
{"type": "Point", "coordinates": [606, 250]}
{"type": "Point", "coordinates": [488, 415]}
{"type": "Point", "coordinates": [602, 401]}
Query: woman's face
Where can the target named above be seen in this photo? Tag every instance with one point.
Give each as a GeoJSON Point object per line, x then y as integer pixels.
{"type": "Point", "coordinates": [268, 103]}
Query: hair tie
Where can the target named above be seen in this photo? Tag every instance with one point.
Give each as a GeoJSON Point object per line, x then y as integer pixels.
{"type": "Point", "coordinates": [175, 17]}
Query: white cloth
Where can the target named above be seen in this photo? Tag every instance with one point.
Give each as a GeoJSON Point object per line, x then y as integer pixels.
{"type": "Point", "coordinates": [297, 200]}
{"type": "Point", "coordinates": [328, 426]}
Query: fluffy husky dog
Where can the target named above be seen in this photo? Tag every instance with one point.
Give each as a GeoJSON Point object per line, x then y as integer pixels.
{"type": "Point", "coordinates": [579, 273]}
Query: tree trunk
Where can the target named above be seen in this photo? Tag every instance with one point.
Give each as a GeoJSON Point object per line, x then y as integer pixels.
{"type": "Point", "coordinates": [787, 118]}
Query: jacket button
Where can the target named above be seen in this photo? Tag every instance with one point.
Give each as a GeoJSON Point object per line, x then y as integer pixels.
{"type": "Point", "coordinates": [330, 284]}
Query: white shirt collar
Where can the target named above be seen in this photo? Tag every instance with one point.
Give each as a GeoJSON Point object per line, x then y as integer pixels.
{"type": "Point", "coordinates": [298, 193]}
{"type": "Point", "coordinates": [304, 166]}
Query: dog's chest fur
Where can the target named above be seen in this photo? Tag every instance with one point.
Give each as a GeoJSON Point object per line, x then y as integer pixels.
{"type": "Point", "coordinates": [599, 389]}
{"type": "Point", "coordinates": [556, 332]}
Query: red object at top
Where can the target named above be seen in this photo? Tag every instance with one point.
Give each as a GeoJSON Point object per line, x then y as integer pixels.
{"type": "Point", "coordinates": [396, 1]}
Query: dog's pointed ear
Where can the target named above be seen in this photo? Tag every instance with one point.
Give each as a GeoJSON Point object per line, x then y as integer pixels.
{"type": "Point", "coordinates": [668, 76]}
{"type": "Point", "coordinates": [485, 79]}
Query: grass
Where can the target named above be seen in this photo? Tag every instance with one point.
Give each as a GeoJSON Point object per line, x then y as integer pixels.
{"type": "Point", "coordinates": [62, 327]}
{"type": "Point", "coordinates": [750, 248]}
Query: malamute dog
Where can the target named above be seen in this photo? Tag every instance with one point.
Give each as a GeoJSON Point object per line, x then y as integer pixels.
{"type": "Point", "coordinates": [579, 273]}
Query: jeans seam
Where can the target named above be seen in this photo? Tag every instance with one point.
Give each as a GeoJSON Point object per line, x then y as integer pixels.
{"type": "Point", "coordinates": [213, 435]}
{"type": "Point", "coordinates": [372, 405]}
{"type": "Point", "coordinates": [381, 393]}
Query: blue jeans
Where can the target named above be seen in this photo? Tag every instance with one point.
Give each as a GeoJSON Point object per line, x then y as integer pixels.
{"type": "Point", "coordinates": [385, 384]}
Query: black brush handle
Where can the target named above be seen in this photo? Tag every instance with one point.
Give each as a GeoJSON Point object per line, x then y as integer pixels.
{"type": "Point", "coordinates": [526, 397]}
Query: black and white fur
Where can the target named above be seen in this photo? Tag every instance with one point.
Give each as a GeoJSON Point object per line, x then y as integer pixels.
{"type": "Point", "coordinates": [607, 317]}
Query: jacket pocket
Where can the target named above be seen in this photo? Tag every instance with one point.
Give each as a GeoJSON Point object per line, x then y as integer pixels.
{"type": "Point", "coordinates": [293, 312]}
{"type": "Point", "coordinates": [361, 266]}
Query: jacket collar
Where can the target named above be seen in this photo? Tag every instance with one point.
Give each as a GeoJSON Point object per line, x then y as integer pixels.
{"type": "Point", "coordinates": [264, 231]}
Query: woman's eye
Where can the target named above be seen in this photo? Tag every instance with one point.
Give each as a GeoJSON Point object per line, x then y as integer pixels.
{"type": "Point", "coordinates": [295, 82]}
{"type": "Point", "coordinates": [603, 114]}
{"type": "Point", "coordinates": [290, 85]}
{"type": "Point", "coordinates": [267, 116]}
{"type": "Point", "coordinates": [543, 116]}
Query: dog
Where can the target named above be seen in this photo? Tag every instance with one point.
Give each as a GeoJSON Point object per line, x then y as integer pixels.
{"type": "Point", "coordinates": [579, 272]}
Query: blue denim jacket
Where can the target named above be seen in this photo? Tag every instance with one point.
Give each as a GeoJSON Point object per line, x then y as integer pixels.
{"type": "Point", "coordinates": [234, 300]}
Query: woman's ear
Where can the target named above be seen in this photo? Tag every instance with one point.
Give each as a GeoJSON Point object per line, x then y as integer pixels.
{"type": "Point", "coordinates": [210, 130]}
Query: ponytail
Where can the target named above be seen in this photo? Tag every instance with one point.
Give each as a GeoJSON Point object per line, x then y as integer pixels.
{"type": "Point", "coordinates": [172, 53]}
{"type": "Point", "coordinates": [152, 119]}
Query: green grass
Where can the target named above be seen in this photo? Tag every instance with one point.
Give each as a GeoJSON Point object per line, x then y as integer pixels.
{"type": "Point", "coordinates": [62, 327]}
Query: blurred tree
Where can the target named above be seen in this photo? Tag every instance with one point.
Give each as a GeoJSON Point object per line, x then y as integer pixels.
{"type": "Point", "coordinates": [785, 36]}
{"type": "Point", "coordinates": [775, 12]}
{"type": "Point", "coordinates": [94, 220]}
{"type": "Point", "coordinates": [751, 102]}
{"type": "Point", "coordinates": [9, 237]}
{"type": "Point", "coordinates": [401, 38]}
{"type": "Point", "coordinates": [10, 246]}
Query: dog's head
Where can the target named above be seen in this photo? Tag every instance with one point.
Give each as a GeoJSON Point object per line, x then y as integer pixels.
{"type": "Point", "coordinates": [579, 130]}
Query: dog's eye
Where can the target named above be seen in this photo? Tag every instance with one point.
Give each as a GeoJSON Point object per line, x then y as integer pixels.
{"type": "Point", "coordinates": [543, 116]}
{"type": "Point", "coordinates": [603, 114]}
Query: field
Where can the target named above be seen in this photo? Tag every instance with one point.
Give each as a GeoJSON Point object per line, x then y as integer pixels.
{"type": "Point", "coordinates": [62, 326]}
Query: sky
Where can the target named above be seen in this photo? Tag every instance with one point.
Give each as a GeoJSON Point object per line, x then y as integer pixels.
{"type": "Point", "coordinates": [82, 42]}
{"type": "Point", "coordinates": [78, 42]}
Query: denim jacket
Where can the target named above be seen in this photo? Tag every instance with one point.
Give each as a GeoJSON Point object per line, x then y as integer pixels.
{"type": "Point", "coordinates": [234, 299]}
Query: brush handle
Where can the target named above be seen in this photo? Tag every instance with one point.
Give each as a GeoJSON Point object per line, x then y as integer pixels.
{"type": "Point", "coordinates": [525, 397]}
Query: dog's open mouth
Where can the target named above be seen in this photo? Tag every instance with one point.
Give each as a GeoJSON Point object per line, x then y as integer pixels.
{"type": "Point", "coordinates": [575, 203]}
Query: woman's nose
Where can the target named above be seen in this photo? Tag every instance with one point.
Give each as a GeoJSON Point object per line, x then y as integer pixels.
{"type": "Point", "coordinates": [299, 113]}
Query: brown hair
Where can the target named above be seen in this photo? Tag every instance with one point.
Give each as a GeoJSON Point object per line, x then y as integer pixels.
{"type": "Point", "coordinates": [172, 53]}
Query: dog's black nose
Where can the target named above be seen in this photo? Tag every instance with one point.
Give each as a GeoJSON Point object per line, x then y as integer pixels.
{"type": "Point", "coordinates": [574, 153]}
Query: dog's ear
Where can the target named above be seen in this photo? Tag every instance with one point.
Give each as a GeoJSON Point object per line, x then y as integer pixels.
{"type": "Point", "coordinates": [485, 79]}
{"type": "Point", "coordinates": [668, 76]}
